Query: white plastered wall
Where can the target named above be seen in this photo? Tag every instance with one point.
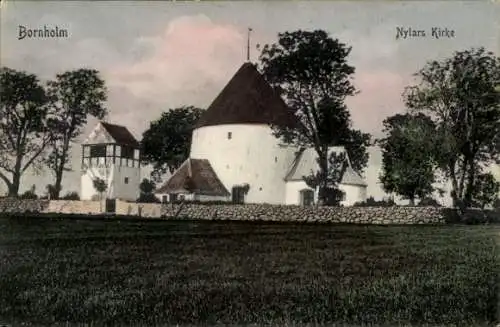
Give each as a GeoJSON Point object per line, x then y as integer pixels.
{"type": "Point", "coordinates": [251, 155]}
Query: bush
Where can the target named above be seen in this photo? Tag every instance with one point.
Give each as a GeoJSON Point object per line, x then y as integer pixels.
{"type": "Point", "coordinates": [147, 198]}
{"type": "Point", "coordinates": [371, 202]}
{"type": "Point", "coordinates": [28, 195]}
{"type": "Point", "coordinates": [71, 196]}
{"type": "Point", "coordinates": [426, 202]}
{"type": "Point", "coordinates": [471, 216]}
{"type": "Point", "coordinates": [492, 216]}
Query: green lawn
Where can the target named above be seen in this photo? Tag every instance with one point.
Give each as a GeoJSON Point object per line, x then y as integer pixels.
{"type": "Point", "coordinates": [110, 272]}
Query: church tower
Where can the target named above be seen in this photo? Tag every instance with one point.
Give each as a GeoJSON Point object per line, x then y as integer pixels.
{"type": "Point", "coordinates": [111, 153]}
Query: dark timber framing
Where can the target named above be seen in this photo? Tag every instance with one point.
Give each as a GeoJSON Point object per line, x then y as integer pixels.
{"type": "Point", "coordinates": [126, 158]}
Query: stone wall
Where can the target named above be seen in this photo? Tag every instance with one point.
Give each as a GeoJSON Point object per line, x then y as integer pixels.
{"type": "Point", "coordinates": [13, 205]}
{"type": "Point", "coordinates": [250, 212]}
{"type": "Point", "coordinates": [359, 215]}
{"type": "Point", "coordinates": [77, 207]}
{"type": "Point", "coordinates": [148, 210]}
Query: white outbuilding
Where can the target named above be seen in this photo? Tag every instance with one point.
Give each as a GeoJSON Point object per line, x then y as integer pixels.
{"type": "Point", "coordinates": [111, 153]}
{"type": "Point", "coordinates": [235, 157]}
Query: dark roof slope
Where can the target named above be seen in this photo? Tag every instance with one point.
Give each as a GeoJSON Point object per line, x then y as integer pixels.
{"type": "Point", "coordinates": [248, 99]}
{"type": "Point", "coordinates": [194, 176]}
{"type": "Point", "coordinates": [120, 134]}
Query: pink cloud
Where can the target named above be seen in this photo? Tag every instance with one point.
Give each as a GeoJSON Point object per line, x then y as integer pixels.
{"type": "Point", "coordinates": [188, 63]}
{"type": "Point", "coordinates": [379, 97]}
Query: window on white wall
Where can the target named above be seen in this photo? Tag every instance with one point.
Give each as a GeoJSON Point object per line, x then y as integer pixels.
{"type": "Point", "coordinates": [126, 180]}
{"type": "Point", "coordinates": [229, 135]}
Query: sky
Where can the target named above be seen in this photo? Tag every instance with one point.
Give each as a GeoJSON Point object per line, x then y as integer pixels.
{"type": "Point", "coordinates": [155, 56]}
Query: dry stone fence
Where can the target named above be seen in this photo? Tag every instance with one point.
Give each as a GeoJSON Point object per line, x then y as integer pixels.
{"type": "Point", "coordinates": [247, 212]}
{"type": "Point", "coordinates": [284, 213]}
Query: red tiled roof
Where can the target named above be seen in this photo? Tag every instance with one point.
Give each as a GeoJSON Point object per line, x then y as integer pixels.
{"type": "Point", "coordinates": [248, 99]}
{"type": "Point", "coordinates": [194, 176]}
{"type": "Point", "coordinates": [120, 134]}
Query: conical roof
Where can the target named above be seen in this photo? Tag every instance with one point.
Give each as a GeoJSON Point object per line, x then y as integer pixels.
{"type": "Point", "coordinates": [248, 99]}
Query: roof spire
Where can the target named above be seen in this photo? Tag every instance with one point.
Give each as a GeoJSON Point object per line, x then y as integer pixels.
{"type": "Point", "coordinates": [248, 44]}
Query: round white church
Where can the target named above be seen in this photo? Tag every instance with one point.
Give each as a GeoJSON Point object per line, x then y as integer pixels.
{"type": "Point", "coordinates": [235, 157]}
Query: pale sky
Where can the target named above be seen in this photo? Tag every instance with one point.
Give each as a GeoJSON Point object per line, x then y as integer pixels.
{"type": "Point", "coordinates": [160, 55]}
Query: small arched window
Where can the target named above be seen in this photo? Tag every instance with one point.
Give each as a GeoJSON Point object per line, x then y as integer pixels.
{"type": "Point", "coordinates": [229, 135]}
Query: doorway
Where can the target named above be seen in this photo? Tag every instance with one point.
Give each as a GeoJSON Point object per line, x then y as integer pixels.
{"type": "Point", "coordinates": [238, 195]}
{"type": "Point", "coordinates": [306, 197]}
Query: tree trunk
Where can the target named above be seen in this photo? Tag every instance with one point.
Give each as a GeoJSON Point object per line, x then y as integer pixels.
{"type": "Point", "coordinates": [463, 172]}
{"type": "Point", "coordinates": [57, 185]}
{"type": "Point", "coordinates": [412, 200]}
{"type": "Point", "coordinates": [14, 186]}
{"type": "Point", "coordinates": [454, 186]}
{"type": "Point", "coordinates": [16, 178]}
{"type": "Point", "coordinates": [323, 178]}
{"type": "Point", "coordinates": [471, 176]}
{"type": "Point", "coordinates": [59, 168]}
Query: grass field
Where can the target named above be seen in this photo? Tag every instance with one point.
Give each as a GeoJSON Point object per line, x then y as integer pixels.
{"type": "Point", "coordinates": [109, 272]}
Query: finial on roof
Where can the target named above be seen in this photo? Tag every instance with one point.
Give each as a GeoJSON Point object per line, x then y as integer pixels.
{"type": "Point", "coordinates": [248, 44]}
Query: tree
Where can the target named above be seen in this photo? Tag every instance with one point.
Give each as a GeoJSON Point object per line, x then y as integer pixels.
{"type": "Point", "coordinates": [356, 144]}
{"type": "Point", "coordinates": [24, 126]}
{"type": "Point", "coordinates": [408, 156]}
{"type": "Point", "coordinates": [310, 71]}
{"type": "Point", "coordinates": [100, 186]}
{"type": "Point", "coordinates": [167, 142]}
{"type": "Point", "coordinates": [147, 188]}
{"type": "Point", "coordinates": [74, 96]}
{"type": "Point", "coordinates": [485, 190]}
{"type": "Point", "coordinates": [461, 95]}
{"type": "Point", "coordinates": [50, 191]}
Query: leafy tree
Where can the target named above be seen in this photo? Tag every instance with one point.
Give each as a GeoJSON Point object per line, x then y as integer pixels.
{"type": "Point", "coordinates": [24, 126]}
{"type": "Point", "coordinates": [166, 143]}
{"type": "Point", "coordinates": [462, 96]}
{"type": "Point", "coordinates": [75, 95]}
{"type": "Point", "coordinates": [486, 189]}
{"type": "Point", "coordinates": [147, 188]}
{"type": "Point", "coordinates": [356, 144]}
{"type": "Point", "coordinates": [100, 187]}
{"type": "Point", "coordinates": [408, 156]}
{"type": "Point", "coordinates": [310, 71]}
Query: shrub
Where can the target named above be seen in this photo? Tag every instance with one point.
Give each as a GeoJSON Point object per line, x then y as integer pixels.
{"type": "Point", "coordinates": [29, 195]}
{"type": "Point", "coordinates": [147, 198]}
{"type": "Point", "coordinates": [371, 202]}
{"type": "Point", "coordinates": [71, 196]}
{"type": "Point", "coordinates": [429, 202]}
